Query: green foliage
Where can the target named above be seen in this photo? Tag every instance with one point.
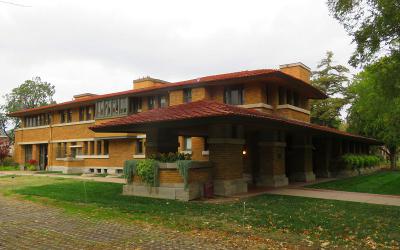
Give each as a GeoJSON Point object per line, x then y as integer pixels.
{"type": "Point", "coordinates": [30, 167]}
{"type": "Point", "coordinates": [147, 170]}
{"type": "Point", "coordinates": [31, 94]}
{"type": "Point", "coordinates": [129, 170]}
{"type": "Point", "coordinates": [355, 161]}
{"type": "Point", "coordinates": [8, 161]}
{"type": "Point", "coordinates": [373, 24]}
{"type": "Point", "coordinates": [375, 109]}
{"type": "Point", "coordinates": [333, 81]}
{"type": "Point", "coordinates": [183, 168]}
{"type": "Point", "coordinates": [170, 157]}
{"type": "Point", "coordinates": [8, 168]}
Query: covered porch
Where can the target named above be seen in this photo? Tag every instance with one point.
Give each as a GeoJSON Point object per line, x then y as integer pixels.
{"type": "Point", "coordinates": [246, 148]}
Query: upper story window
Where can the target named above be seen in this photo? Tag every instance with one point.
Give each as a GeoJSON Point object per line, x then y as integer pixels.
{"type": "Point", "coordinates": [135, 104]}
{"type": "Point", "coordinates": [37, 120]}
{"type": "Point", "coordinates": [187, 95]}
{"type": "Point", "coordinates": [163, 101]}
{"type": "Point", "coordinates": [267, 95]}
{"type": "Point", "coordinates": [86, 113]}
{"type": "Point", "coordinates": [234, 95]}
{"type": "Point", "coordinates": [112, 107]}
{"type": "Point", "coordinates": [65, 116]}
{"type": "Point", "coordinates": [187, 143]}
{"type": "Point", "coordinates": [288, 96]}
{"type": "Point", "coordinates": [150, 102]}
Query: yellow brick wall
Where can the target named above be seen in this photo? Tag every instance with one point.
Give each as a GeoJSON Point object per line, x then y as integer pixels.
{"type": "Point", "coordinates": [175, 97]}
{"type": "Point", "coordinates": [293, 114]}
{"type": "Point", "coordinates": [254, 93]}
{"type": "Point", "coordinates": [200, 94]}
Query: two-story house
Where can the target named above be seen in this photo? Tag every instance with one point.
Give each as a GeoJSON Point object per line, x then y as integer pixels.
{"type": "Point", "coordinates": [252, 126]}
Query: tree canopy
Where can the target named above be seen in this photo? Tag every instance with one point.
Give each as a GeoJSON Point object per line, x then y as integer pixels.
{"type": "Point", "coordinates": [331, 79]}
{"type": "Point", "coordinates": [375, 109]}
{"type": "Point", "coordinates": [30, 94]}
{"type": "Point", "coordinates": [373, 24]}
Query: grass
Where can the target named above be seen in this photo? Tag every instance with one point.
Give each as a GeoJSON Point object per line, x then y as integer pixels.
{"type": "Point", "coordinates": [385, 182]}
{"type": "Point", "coordinates": [9, 168]}
{"type": "Point", "coordinates": [290, 218]}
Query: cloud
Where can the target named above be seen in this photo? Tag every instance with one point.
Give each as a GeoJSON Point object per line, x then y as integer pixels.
{"type": "Point", "coordinates": [101, 46]}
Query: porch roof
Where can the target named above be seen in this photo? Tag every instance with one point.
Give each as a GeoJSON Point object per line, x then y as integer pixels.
{"type": "Point", "coordinates": [212, 109]}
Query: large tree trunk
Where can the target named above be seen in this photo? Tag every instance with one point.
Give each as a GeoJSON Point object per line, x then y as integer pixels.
{"type": "Point", "coordinates": [392, 156]}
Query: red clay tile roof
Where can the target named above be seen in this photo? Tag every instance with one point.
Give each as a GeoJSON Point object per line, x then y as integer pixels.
{"type": "Point", "coordinates": [267, 73]}
{"type": "Point", "coordinates": [206, 109]}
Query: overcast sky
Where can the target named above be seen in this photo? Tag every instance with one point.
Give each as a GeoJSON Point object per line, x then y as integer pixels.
{"type": "Point", "coordinates": [101, 46]}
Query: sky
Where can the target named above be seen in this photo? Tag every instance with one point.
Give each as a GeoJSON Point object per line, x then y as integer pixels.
{"type": "Point", "coordinates": [101, 46]}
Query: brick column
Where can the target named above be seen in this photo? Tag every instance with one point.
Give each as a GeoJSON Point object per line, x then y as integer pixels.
{"type": "Point", "coordinates": [302, 159]}
{"type": "Point", "coordinates": [226, 156]}
{"type": "Point", "coordinates": [323, 158]}
{"type": "Point", "coordinates": [272, 160]}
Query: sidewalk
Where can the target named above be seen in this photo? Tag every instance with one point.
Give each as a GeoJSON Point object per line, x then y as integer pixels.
{"type": "Point", "coordinates": [91, 178]}
{"type": "Point", "coordinates": [381, 199]}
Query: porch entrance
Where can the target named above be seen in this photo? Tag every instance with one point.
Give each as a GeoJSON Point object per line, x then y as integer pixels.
{"type": "Point", "coordinates": [43, 152]}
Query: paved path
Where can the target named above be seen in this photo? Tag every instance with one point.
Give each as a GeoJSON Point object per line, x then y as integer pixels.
{"type": "Point", "coordinates": [392, 200]}
{"type": "Point", "coordinates": [28, 225]}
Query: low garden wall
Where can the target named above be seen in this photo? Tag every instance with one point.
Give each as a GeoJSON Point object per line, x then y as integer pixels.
{"type": "Point", "coordinates": [171, 181]}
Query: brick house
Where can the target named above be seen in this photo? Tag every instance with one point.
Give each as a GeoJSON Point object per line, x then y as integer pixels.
{"type": "Point", "coordinates": [243, 128]}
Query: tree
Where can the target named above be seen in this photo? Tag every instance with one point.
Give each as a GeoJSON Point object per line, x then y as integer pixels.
{"type": "Point", "coordinates": [375, 109]}
{"type": "Point", "coordinates": [333, 81]}
{"type": "Point", "coordinates": [4, 150]}
{"type": "Point", "coordinates": [31, 94]}
{"type": "Point", "coordinates": [373, 24]}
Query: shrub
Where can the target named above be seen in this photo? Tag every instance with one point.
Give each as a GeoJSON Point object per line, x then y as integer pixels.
{"type": "Point", "coordinates": [170, 157]}
{"type": "Point", "coordinates": [183, 168]}
{"type": "Point", "coordinates": [147, 170]}
{"type": "Point", "coordinates": [354, 161]}
{"type": "Point", "coordinates": [4, 150]}
{"type": "Point", "coordinates": [8, 161]}
{"type": "Point", "coordinates": [129, 170]}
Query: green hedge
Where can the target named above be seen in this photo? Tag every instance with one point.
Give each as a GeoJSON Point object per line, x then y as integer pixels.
{"type": "Point", "coordinates": [356, 161]}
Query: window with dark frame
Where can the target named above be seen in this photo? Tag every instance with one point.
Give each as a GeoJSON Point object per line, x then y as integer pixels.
{"type": "Point", "coordinates": [187, 143]}
{"type": "Point", "coordinates": [187, 95]}
{"type": "Point", "coordinates": [139, 147]}
{"type": "Point", "coordinates": [135, 105]}
{"type": "Point", "coordinates": [233, 95]}
{"type": "Point", "coordinates": [162, 101]}
{"type": "Point", "coordinates": [150, 102]}
{"type": "Point", "coordinates": [282, 96]}
{"type": "Point", "coordinates": [105, 147]}
{"type": "Point", "coordinates": [69, 116]}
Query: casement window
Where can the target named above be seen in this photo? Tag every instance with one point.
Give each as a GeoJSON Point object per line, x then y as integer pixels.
{"type": "Point", "coordinates": [187, 95]}
{"type": "Point", "coordinates": [81, 113]}
{"type": "Point", "coordinates": [99, 148]}
{"type": "Point", "coordinates": [105, 147]}
{"type": "Point", "coordinates": [289, 97]}
{"type": "Point", "coordinates": [150, 102]}
{"type": "Point", "coordinates": [62, 117]}
{"type": "Point", "coordinates": [296, 99]}
{"type": "Point", "coordinates": [69, 115]}
{"type": "Point", "coordinates": [267, 95]}
{"type": "Point", "coordinates": [28, 152]}
{"type": "Point", "coordinates": [187, 143]}
{"type": "Point", "coordinates": [163, 101]}
{"type": "Point", "coordinates": [37, 120]}
{"type": "Point", "coordinates": [135, 105]}
{"type": "Point", "coordinates": [112, 107]}
{"type": "Point", "coordinates": [139, 147]}
{"type": "Point", "coordinates": [234, 95]}
{"type": "Point", "coordinates": [282, 96]}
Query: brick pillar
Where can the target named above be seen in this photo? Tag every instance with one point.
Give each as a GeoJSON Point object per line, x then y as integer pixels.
{"type": "Point", "coordinates": [272, 160]}
{"type": "Point", "coordinates": [226, 156]}
{"type": "Point", "coordinates": [35, 152]}
{"type": "Point", "coordinates": [323, 158]}
{"type": "Point", "coordinates": [302, 159]}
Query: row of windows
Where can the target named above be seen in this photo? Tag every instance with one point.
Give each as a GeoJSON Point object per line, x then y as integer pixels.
{"type": "Point", "coordinates": [65, 116]}
{"type": "Point", "coordinates": [100, 147]}
{"type": "Point", "coordinates": [112, 107]}
{"type": "Point", "coordinates": [37, 120]}
{"type": "Point", "coordinates": [287, 96]}
{"type": "Point", "coordinates": [86, 113]}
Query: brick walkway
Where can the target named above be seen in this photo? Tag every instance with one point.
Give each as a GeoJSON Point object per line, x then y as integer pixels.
{"type": "Point", "coordinates": [28, 225]}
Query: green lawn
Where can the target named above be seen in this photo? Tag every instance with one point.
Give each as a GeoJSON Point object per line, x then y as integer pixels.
{"type": "Point", "coordinates": [293, 219]}
{"type": "Point", "coordinates": [387, 182]}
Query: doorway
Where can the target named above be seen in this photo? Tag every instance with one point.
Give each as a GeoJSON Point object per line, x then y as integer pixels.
{"type": "Point", "coordinates": [43, 151]}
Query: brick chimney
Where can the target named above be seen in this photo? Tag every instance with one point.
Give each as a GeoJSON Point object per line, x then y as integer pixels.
{"type": "Point", "coordinates": [84, 95]}
{"type": "Point", "coordinates": [298, 70]}
{"type": "Point", "coordinates": [146, 82]}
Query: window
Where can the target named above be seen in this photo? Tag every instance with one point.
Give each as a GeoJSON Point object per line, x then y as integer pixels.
{"type": "Point", "coordinates": [62, 116]}
{"type": "Point", "coordinates": [98, 147]}
{"type": "Point", "coordinates": [234, 95]}
{"type": "Point", "coordinates": [162, 101]}
{"type": "Point", "coordinates": [37, 120]}
{"type": "Point", "coordinates": [289, 97]}
{"type": "Point", "coordinates": [61, 150]}
{"type": "Point", "coordinates": [112, 107]}
{"type": "Point", "coordinates": [267, 95]}
{"type": "Point", "coordinates": [86, 148]}
{"type": "Point", "coordinates": [187, 95]}
{"type": "Point", "coordinates": [81, 113]}
{"type": "Point", "coordinates": [139, 147]}
{"type": "Point", "coordinates": [69, 115]}
{"type": "Point", "coordinates": [105, 147]}
{"type": "Point", "coordinates": [150, 102]}
{"type": "Point", "coordinates": [296, 99]}
{"type": "Point", "coordinates": [135, 105]}
{"type": "Point", "coordinates": [187, 143]}
{"type": "Point", "coordinates": [91, 148]}
{"type": "Point", "coordinates": [282, 96]}
{"type": "Point", "coordinates": [28, 153]}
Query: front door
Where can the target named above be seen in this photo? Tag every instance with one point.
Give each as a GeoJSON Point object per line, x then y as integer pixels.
{"type": "Point", "coordinates": [43, 156]}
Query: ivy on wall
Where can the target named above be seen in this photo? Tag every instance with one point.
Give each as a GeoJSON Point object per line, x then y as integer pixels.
{"type": "Point", "coordinates": [183, 168]}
